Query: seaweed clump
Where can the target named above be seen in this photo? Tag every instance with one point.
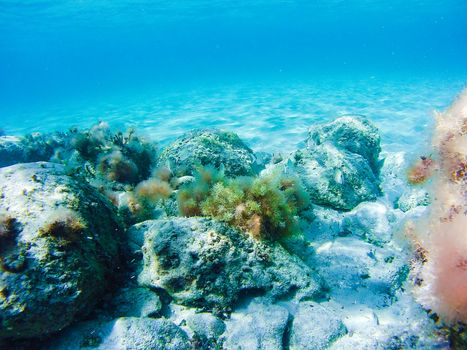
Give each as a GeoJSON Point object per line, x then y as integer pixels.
{"type": "Point", "coordinates": [147, 196]}
{"type": "Point", "coordinates": [266, 207]}
{"type": "Point", "coordinates": [12, 258]}
{"type": "Point", "coordinates": [65, 226]}
{"type": "Point", "coordinates": [122, 158]}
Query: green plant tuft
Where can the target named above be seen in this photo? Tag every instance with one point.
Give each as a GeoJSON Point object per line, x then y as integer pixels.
{"type": "Point", "coordinates": [266, 207]}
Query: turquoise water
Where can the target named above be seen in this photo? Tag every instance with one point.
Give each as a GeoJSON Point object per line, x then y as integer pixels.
{"type": "Point", "coordinates": [267, 69]}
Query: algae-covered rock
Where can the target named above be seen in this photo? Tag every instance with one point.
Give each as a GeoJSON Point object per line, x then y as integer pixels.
{"type": "Point", "coordinates": [413, 198]}
{"type": "Point", "coordinates": [352, 133]}
{"type": "Point", "coordinates": [58, 249]}
{"type": "Point", "coordinates": [206, 325]}
{"type": "Point", "coordinates": [209, 147]}
{"type": "Point", "coordinates": [315, 327]}
{"type": "Point", "coordinates": [30, 148]}
{"type": "Point", "coordinates": [339, 167]}
{"type": "Point", "coordinates": [207, 264]}
{"type": "Point", "coordinates": [128, 333]}
{"type": "Point", "coordinates": [261, 327]}
{"type": "Point", "coordinates": [336, 178]}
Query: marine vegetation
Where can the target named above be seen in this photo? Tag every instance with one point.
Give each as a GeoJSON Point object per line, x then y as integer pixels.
{"type": "Point", "coordinates": [266, 207]}
{"type": "Point", "coordinates": [443, 275]}
{"type": "Point", "coordinates": [121, 157]}
{"type": "Point", "coordinates": [12, 257]}
{"type": "Point", "coordinates": [142, 202]}
{"type": "Point", "coordinates": [65, 226]}
{"type": "Point", "coordinates": [421, 171]}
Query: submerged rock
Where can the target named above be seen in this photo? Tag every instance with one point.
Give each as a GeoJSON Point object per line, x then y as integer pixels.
{"type": "Point", "coordinates": [128, 333]}
{"type": "Point", "coordinates": [336, 178]}
{"type": "Point", "coordinates": [413, 198]}
{"type": "Point", "coordinates": [373, 274]}
{"type": "Point", "coordinates": [207, 264]}
{"type": "Point", "coordinates": [315, 327]}
{"type": "Point", "coordinates": [209, 147]}
{"type": "Point", "coordinates": [58, 249]}
{"type": "Point", "coordinates": [339, 167]}
{"type": "Point", "coordinates": [261, 327]}
{"type": "Point", "coordinates": [31, 148]}
{"type": "Point", "coordinates": [354, 134]}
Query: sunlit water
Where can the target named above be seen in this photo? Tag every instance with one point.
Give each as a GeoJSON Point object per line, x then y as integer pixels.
{"type": "Point", "coordinates": [265, 69]}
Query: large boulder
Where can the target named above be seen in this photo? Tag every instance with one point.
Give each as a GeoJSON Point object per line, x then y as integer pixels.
{"type": "Point", "coordinates": [207, 264]}
{"type": "Point", "coordinates": [209, 147]}
{"type": "Point", "coordinates": [351, 133]}
{"type": "Point", "coordinates": [339, 167]}
{"type": "Point", "coordinates": [336, 178]}
{"type": "Point", "coordinates": [58, 249]}
{"type": "Point", "coordinates": [128, 333]}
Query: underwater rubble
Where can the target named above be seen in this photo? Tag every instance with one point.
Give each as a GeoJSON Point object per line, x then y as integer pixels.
{"type": "Point", "coordinates": [107, 242]}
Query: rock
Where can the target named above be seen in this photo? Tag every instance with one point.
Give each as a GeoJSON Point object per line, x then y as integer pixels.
{"type": "Point", "coordinates": [339, 166]}
{"type": "Point", "coordinates": [261, 327]}
{"type": "Point", "coordinates": [207, 264]}
{"type": "Point", "coordinates": [402, 325]}
{"type": "Point", "coordinates": [333, 177]}
{"type": "Point", "coordinates": [135, 302]}
{"type": "Point", "coordinates": [209, 147]}
{"type": "Point", "coordinates": [370, 221]}
{"type": "Point", "coordinates": [206, 325]}
{"type": "Point", "coordinates": [354, 134]}
{"type": "Point", "coordinates": [58, 249]}
{"type": "Point", "coordinates": [128, 333]}
{"type": "Point", "coordinates": [373, 222]}
{"type": "Point", "coordinates": [315, 327]}
{"type": "Point", "coordinates": [412, 199]}
{"type": "Point", "coordinates": [372, 273]}
{"type": "Point", "coordinates": [31, 148]}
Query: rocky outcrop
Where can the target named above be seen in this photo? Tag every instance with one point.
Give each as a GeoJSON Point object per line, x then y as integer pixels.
{"type": "Point", "coordinates": [58, 249]}
{"type": "Point", "coordinates": [209, 265]}
{"type": "Point", "coordinates": [261, 327]}
{"type": "Point", "coordinates": [339, 167]}
{"type": "Point", "coordinates": [354, 134]}
{"type": "Point", "coordinates": [123, 333]}
{"type": "Point", "coordinates": [315, 327]}
{"type": "Point", "coordinates": [31, 148]}
{"type": "Point", "coordinates": [209, 147]}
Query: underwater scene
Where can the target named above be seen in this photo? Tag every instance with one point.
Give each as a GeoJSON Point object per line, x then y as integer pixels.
{"type": "Point", "coordinates": [233, 175]}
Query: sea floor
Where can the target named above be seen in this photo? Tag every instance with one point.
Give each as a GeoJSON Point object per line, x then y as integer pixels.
{"type": "Point", "coordinates": [268, 117]}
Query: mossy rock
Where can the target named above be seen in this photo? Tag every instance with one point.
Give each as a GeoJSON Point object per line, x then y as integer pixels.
{"type": "Point", "coordinates": [209, 147]}
{"type": "Point", "coordinates": [209, 265]}
{"type": "Point", "coordinates": [61, 254]}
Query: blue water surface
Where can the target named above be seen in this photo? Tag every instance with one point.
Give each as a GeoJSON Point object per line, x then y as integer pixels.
{"type": "Point", "coordinates": [266, 69]}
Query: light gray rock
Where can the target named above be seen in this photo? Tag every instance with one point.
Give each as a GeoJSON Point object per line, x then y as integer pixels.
{"type": "Point", "coordinates": [209, 147]}
{"type": "Point", "coordinates": [207, 264]}
{"type": "Point", "coordinates": [206, 325]}
{"type": "Point", "coordinates": [123, 333]}
{"type": "Point", "coordinates": [352, 133]}
{"type": "Point", "coordinates": [315, 327]}
{"type": "Point", "coordinates": [261, 327]}
{"type": "Point", "coordinates": [413, 198]}
{"type": "Point", "coordinates": [370, 221]}
{"type": "Point", "coordinates": [340, 165]}
{"type": "Point", "coordinates": [58, 249]}
{"type": "Point", "coordinates": [135, 302]}
{"type": "Point", "coordinates": [335, 178]}
{"type": "Point", "coordinates": [372, 273]}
